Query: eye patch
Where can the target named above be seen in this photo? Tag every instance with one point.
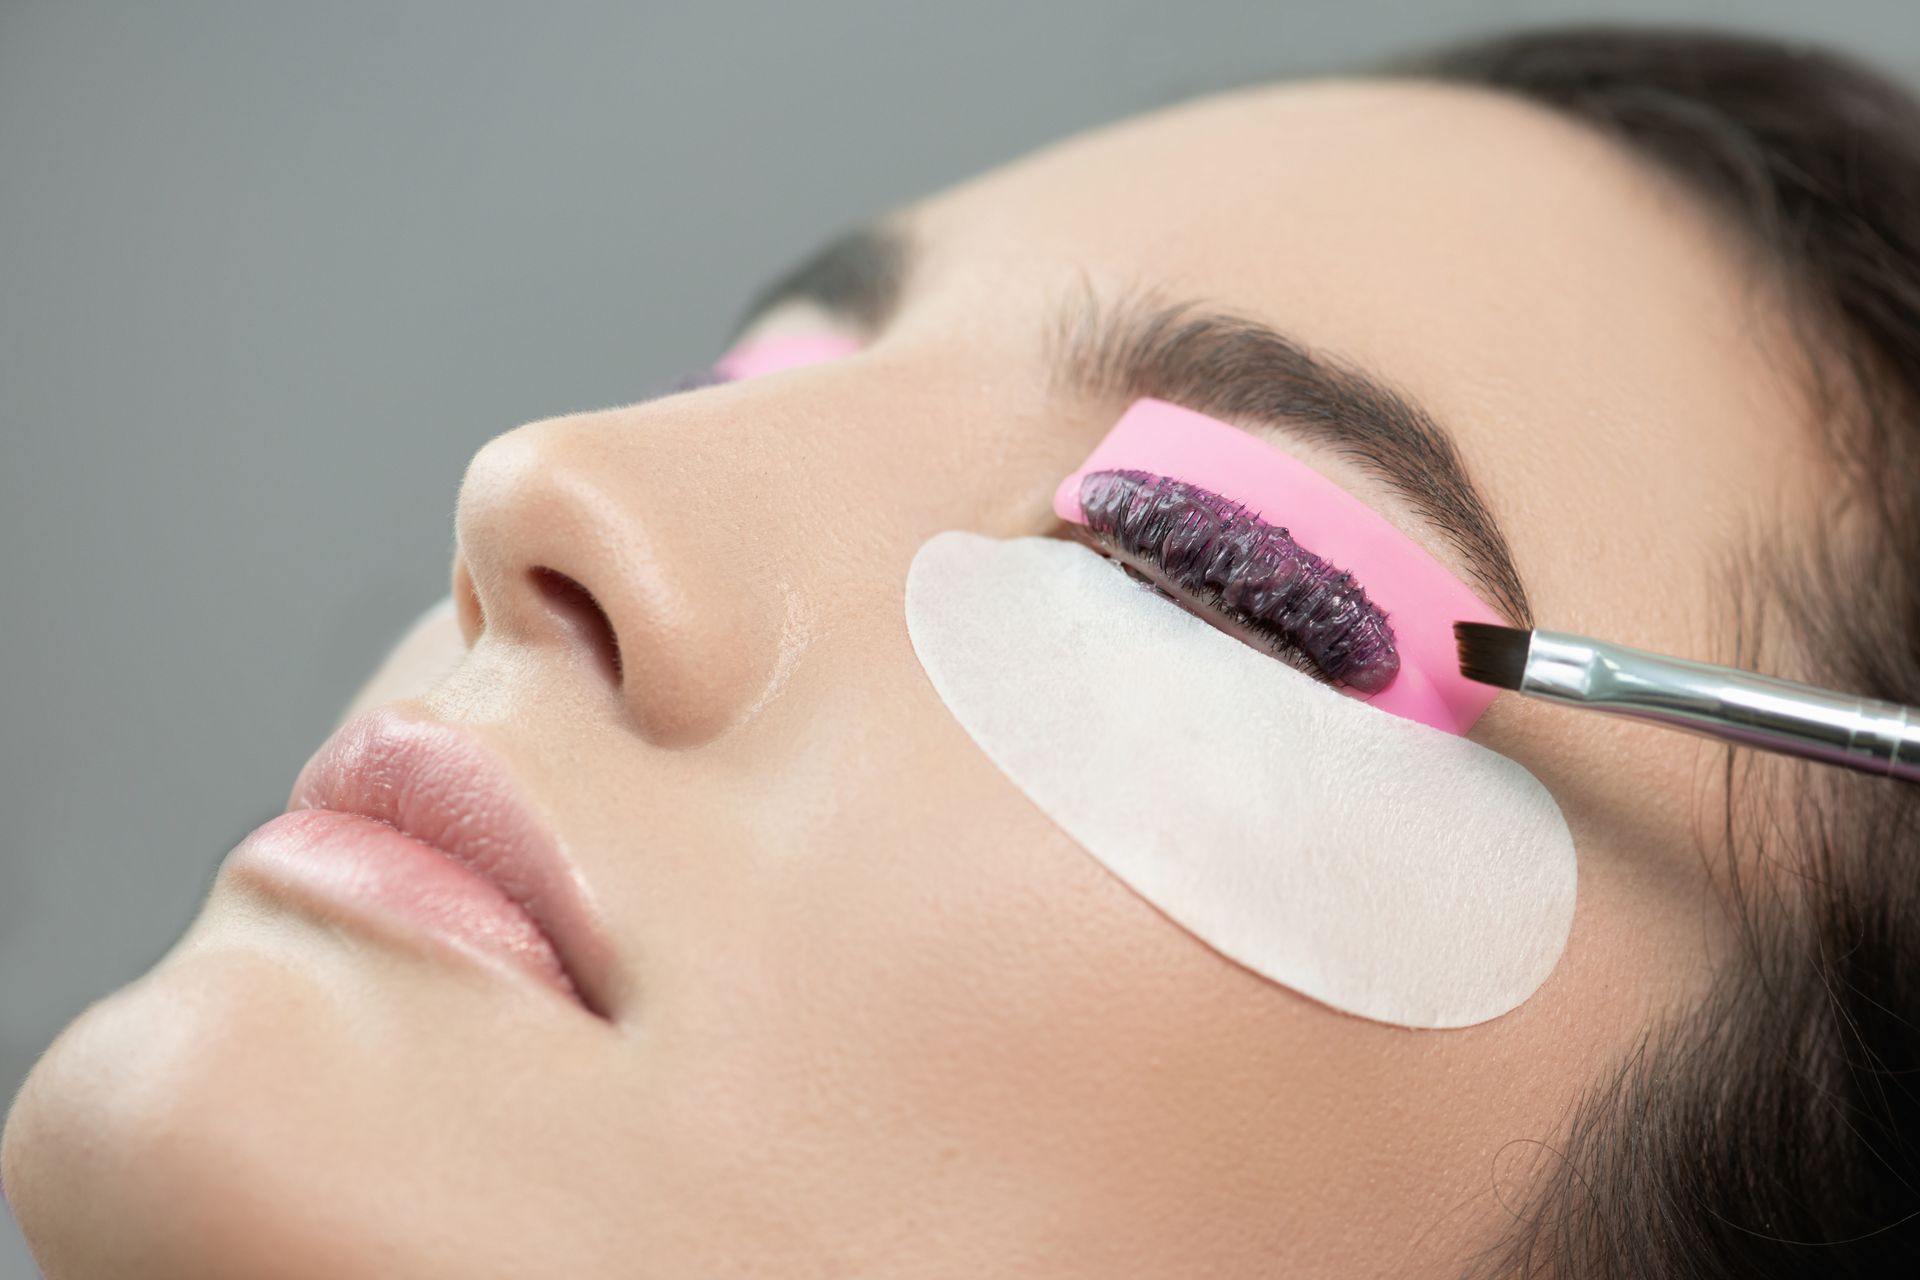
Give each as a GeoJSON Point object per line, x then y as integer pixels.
{"type": "Point", "coordinates": [1379, 866]}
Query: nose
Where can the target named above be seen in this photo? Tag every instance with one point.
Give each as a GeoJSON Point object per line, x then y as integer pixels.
{"type": "Point", "coordinates": [576, 539]}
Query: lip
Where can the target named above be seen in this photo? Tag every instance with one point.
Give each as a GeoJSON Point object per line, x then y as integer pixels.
{"type": "Point", "coordinates": [421, 824]}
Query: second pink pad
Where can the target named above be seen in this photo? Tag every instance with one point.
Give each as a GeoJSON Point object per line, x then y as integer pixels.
{"type": "Point", "coordinates": [1420, 597]}
{"type": "Point", "coordinates": [770, 355]}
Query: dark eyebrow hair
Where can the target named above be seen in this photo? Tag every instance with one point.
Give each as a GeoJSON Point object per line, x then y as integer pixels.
{"type": "Point", "coordinates": [858, 275]}
{"type": "Point", "coordinates": [1235, 368]}
{"type": "Point", "coordinates": [1214, 362]}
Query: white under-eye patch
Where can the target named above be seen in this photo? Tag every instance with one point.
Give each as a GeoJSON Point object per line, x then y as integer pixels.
{"type": "Point", "coordinates": [1377, 865]}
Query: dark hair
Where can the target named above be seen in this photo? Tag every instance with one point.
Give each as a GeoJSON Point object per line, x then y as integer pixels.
{"type": "Point", "coordinates": [1776, 1131]}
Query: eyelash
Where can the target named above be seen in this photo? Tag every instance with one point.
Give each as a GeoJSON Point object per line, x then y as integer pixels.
{"type": "Point", "coordinates": [1196, 546]}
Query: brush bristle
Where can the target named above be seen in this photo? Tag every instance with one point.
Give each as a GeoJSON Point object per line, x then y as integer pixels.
{"type": "Point", "coordinates": [1492, 654]}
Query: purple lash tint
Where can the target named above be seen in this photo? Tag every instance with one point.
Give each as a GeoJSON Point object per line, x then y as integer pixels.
{"type": "Point", "coordinates": [1219, 552]}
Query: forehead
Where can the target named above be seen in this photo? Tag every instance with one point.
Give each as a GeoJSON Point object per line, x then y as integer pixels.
{"type": "Point", "coordinates": [1593, 337]}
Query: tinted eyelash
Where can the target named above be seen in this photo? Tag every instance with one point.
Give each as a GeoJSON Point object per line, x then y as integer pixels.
{"type": "Point", "coordinates": [1252, 572]}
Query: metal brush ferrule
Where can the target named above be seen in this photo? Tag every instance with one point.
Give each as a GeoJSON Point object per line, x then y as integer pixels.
{"type": "Point", "coordinates": [1724, 702]}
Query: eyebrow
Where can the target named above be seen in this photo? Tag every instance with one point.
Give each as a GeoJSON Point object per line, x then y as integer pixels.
{"type": "Point", "coordinates": [859, 275]}
{"type": "Point", "coordinates": [1230, 366]}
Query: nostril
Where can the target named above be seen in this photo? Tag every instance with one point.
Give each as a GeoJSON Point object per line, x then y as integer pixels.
{"type": "Point", "coordinates": [466, 604]}
{"type": "Point", "coordinates": [576, 606]}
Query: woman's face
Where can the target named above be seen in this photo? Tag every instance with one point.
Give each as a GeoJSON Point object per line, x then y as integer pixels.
{"type": "Point", "coordinates": [871, 1012]}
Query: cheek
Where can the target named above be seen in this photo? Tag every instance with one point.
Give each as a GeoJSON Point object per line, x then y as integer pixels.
{"type": "Point", "coordinates": [431, 646]}
{"type": "Point", "coordinates": [1382, 867]}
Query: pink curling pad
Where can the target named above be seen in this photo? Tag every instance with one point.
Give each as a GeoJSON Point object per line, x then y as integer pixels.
{"type": "Point", "coordinates": [1421, 599]}
{"type": "Point", "coordinates": [751, 359]}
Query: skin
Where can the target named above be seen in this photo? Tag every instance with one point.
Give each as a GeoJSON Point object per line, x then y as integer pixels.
{"type": "Point", "coordinates": [876, 1015]}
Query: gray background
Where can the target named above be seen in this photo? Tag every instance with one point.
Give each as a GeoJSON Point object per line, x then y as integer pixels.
{"type": "Point", "coordinates": [270, 273]}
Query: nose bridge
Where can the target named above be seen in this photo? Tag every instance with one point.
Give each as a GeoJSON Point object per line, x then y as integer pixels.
{"type": "Point", "coordinates": [613, 541]}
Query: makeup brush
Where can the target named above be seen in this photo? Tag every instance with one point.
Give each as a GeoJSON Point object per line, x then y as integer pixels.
{"type": "Point", "coordinates": [1720, 702]}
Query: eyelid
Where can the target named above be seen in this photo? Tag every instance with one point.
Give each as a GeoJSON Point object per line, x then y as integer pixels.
{"type": "Point", "coordinates": [1420, 597]}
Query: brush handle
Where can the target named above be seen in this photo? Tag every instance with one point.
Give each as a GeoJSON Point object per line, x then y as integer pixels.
{"type": "Point", "coordinates": [1725, 702]}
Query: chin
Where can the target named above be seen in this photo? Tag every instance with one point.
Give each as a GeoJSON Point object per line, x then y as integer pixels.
{"type": "Point", "coordinates": [168, 1132]}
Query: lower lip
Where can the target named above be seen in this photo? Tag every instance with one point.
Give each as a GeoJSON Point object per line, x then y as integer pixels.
{"type": "Point", "coordinates": [372, 870]}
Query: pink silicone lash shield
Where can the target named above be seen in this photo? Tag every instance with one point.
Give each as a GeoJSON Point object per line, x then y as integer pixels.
{"type": "Point", "coordinates": [1421, 599]}
{"type": "Point", "coordinates": [751, 359]}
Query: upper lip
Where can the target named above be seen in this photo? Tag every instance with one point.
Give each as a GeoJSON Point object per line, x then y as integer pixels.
{"type": "Point", "coordinates": [441, 785]}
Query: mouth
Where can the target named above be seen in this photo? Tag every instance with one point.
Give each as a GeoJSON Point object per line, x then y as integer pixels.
{"type": "Point", "coordinates": [419, 823]}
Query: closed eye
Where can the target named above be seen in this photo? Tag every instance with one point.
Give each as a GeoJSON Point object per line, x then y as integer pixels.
{"type": "Point", "coordinates": [1249, 577]}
